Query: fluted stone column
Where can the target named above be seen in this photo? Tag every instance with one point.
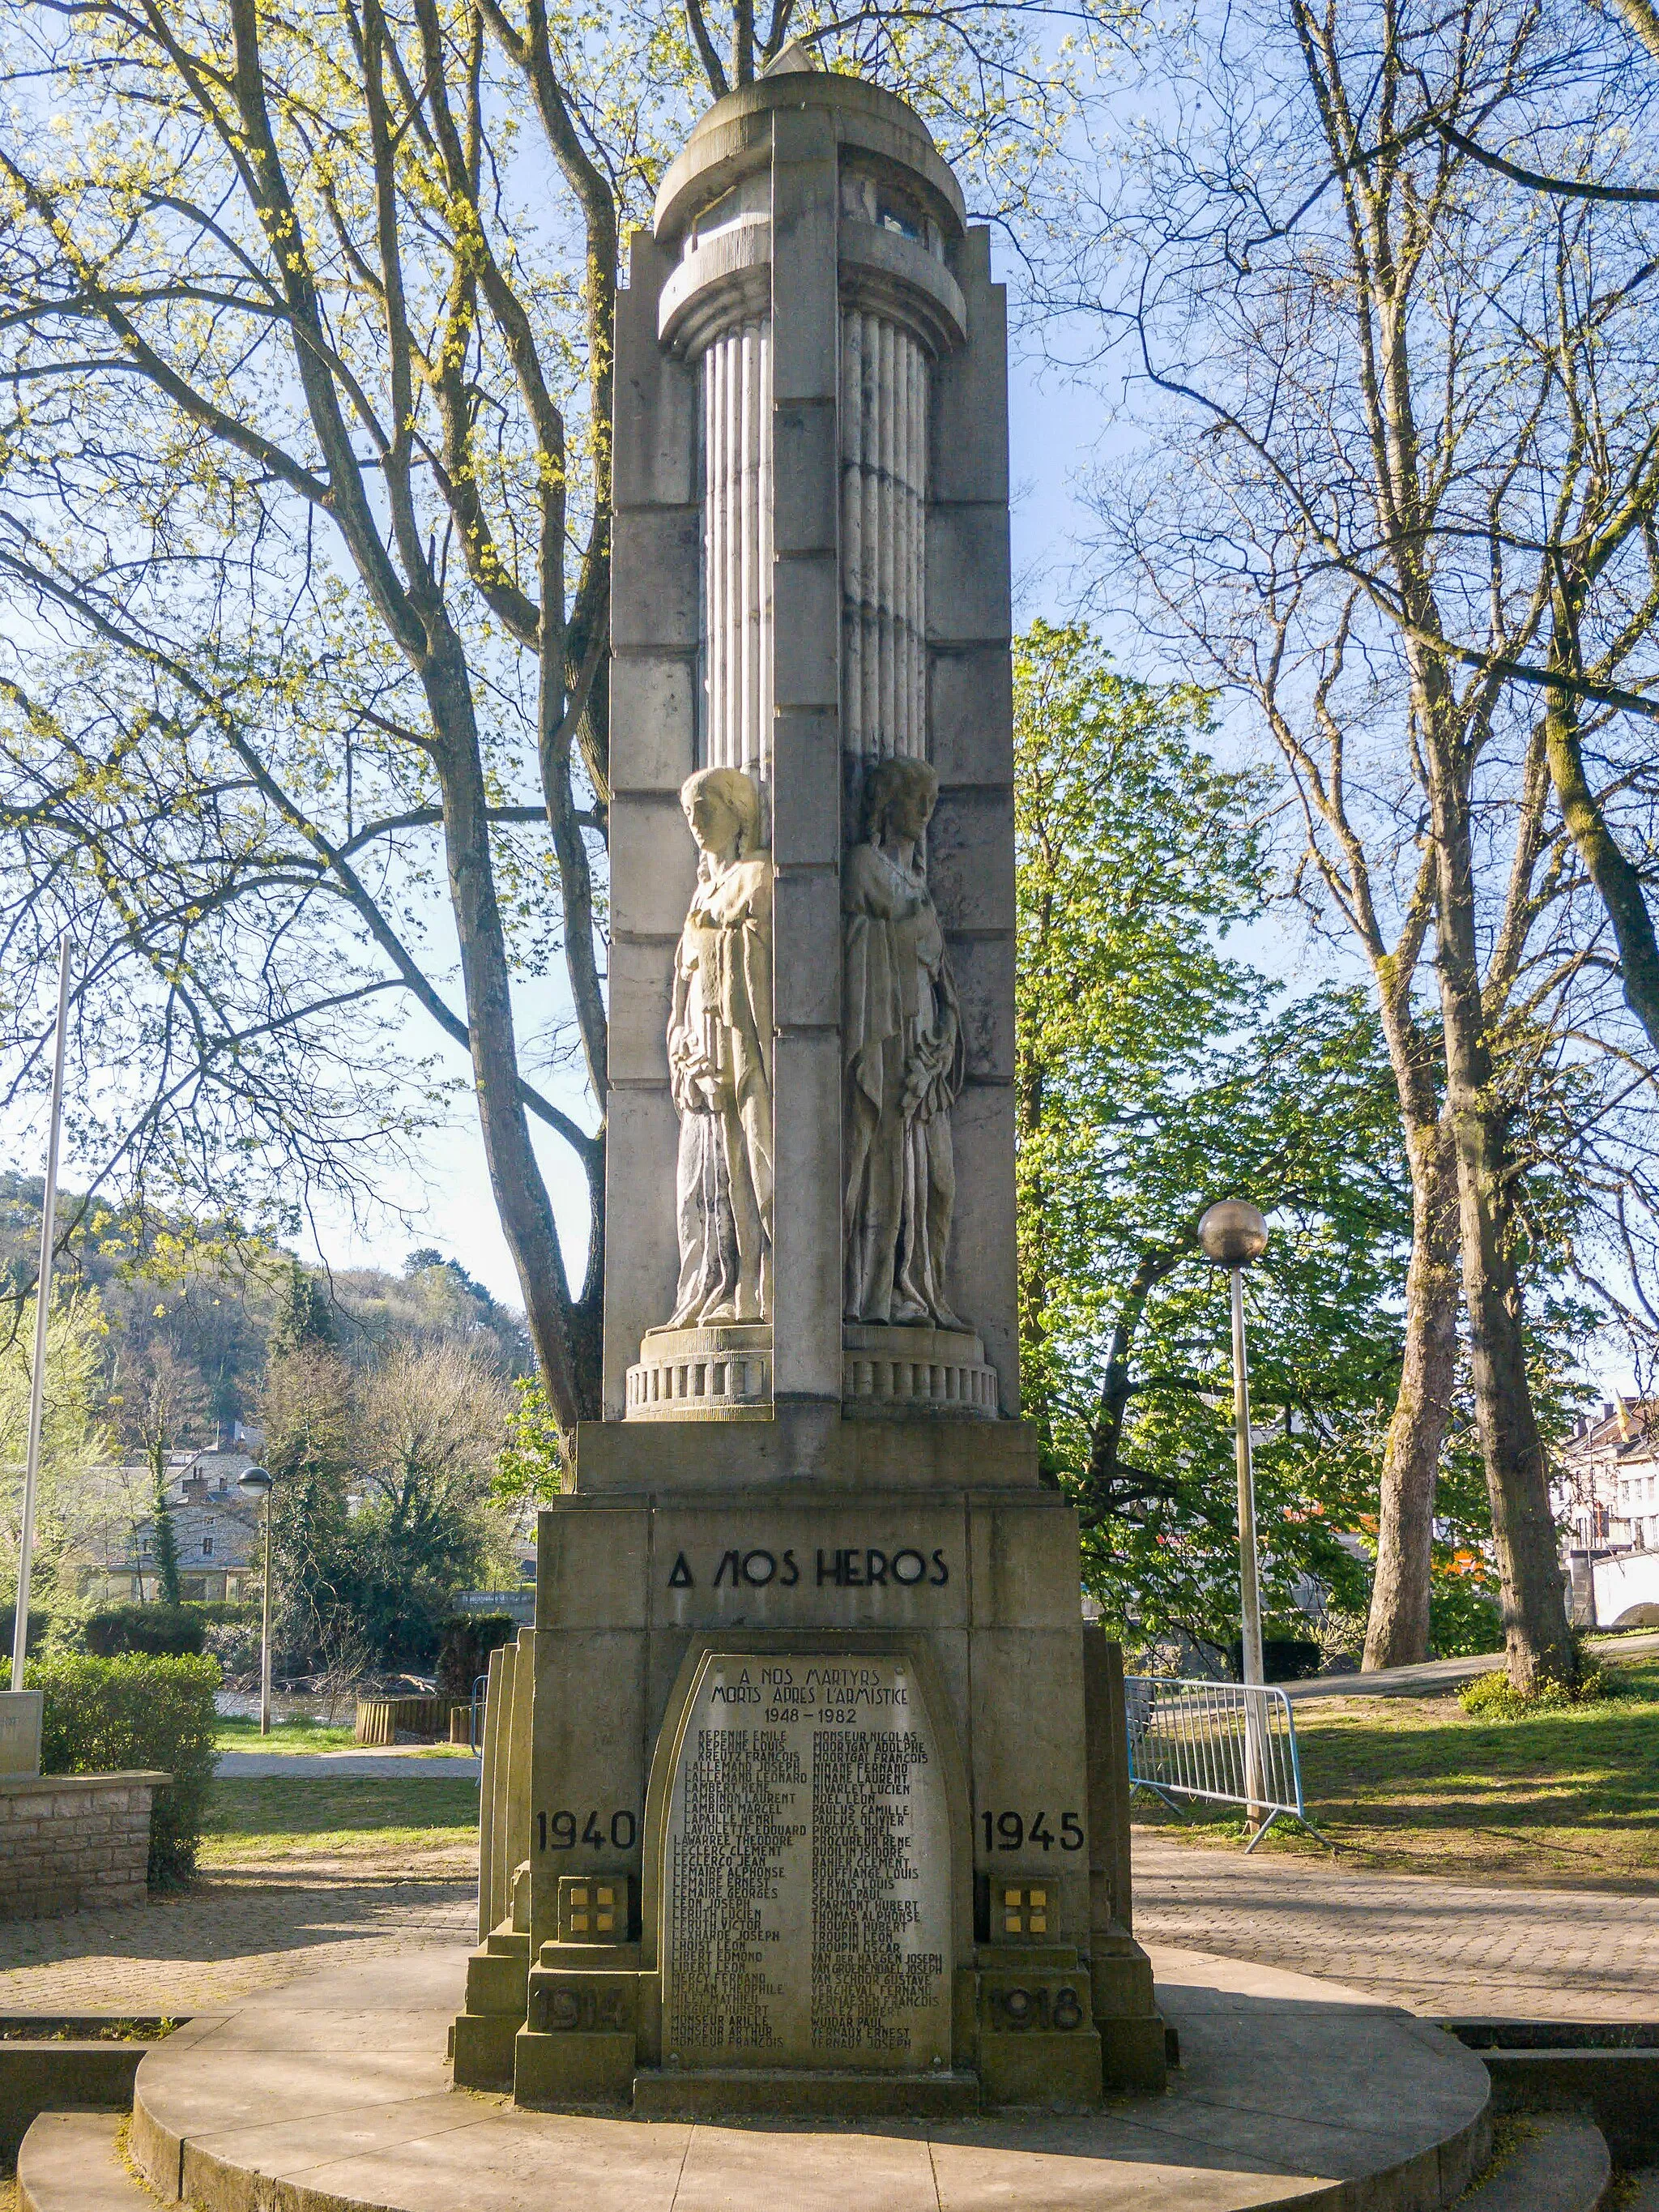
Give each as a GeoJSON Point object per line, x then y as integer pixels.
{"type": "Point", "coordinates": [792, 327]}
{"type": "Point", "coordinates": [735, 375]}
{"type": "Point", "coordinates": [884, 537]}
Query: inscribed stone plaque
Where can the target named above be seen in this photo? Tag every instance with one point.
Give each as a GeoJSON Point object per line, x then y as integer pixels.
{"type": "Point", "coordinates": [806, 1869]}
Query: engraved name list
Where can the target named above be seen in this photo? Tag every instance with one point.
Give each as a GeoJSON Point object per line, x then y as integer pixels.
{"type": "Point", "coordinates": [807, 1869]}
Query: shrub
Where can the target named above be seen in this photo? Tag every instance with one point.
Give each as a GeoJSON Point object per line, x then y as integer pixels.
{"type": "Point", "coordinates": [162, 1631]}
{"type": "Point", "coordinates": [467, 1644]}
{"type": "Point", "coordinates": [1463, 1621]}
{"type": "Point", "coordinates": [235, 1644]}
{"type": "Point", "coordinates": [40, 1628]}
{"type": "Point", "coordinates": [222, 1612]}
{"type": "Point", "coordinates": [1493, 1697]}
{"type": "Point", "coordinates": [1284, 1658]}
{"type": "Point", "coordinates": [111, 1716]}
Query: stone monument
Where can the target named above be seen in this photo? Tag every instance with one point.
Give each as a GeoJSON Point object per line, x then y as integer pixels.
{"type": "Point", "coordinates": [806, 1792]}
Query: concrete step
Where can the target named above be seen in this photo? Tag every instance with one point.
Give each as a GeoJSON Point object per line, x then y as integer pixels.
{"type": "Point", "coordinates": [68, 2163]}
{"type": "Point", "coordinates": [1559, 2164]}
{"type": "Point", "coordinates": [47, 2075]}
{"type": "Point", "coordinates": [709, 2093]}
{"type": "Point", "coordinates": [1606, 2070]}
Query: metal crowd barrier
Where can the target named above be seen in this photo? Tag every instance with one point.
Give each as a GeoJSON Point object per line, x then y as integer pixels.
{"type": "Point", "coordinates": [1229, 1743]}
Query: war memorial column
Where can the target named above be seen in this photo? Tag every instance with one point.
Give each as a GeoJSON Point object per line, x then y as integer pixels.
{"type": "Point", "coordinates": [806, 1793]}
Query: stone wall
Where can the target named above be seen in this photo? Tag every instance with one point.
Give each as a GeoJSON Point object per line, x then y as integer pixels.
{"type": "Point", "coordinates": [73, 1843]}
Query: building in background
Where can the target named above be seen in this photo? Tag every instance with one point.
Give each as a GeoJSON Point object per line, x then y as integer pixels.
{"type": "Point", "coordinates": [215, 1528]}
{"type": "Point", "coordinates": [1605, 1490]}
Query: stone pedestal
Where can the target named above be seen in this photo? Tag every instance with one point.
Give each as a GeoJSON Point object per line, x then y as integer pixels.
{"type": "Point", "coordinates": [848, 1768]}
{"type": "Point", "coordinates": [20, 1731]}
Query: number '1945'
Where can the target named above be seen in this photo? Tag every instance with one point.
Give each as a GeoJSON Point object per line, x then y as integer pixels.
{"type": "Point", "coordinates": [1011, 1831]}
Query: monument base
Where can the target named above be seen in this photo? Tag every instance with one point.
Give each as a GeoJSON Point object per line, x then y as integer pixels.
{"type": "Point", "coordinates": [332, 2089]}
{"type": "Point", "coordinates": [811, 1778]}
{"type": "Point", "coordinates": [739, 2092]}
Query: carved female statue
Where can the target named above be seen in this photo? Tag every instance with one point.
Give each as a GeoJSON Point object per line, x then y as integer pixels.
{"type": "Point", "coordinates": [720, 1059]}
{"type": "Point", "coordinates": [904, 1062]}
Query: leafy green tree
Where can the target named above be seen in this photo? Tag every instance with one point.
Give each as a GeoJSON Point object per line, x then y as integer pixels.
{"type": "Point", "coordinates": [165, 1543]}
{"type": "Point", "coordinates": [316, 311]}
{"type": "Point", "coordinates": [1155, 1073]}
{"type": "Point", "coordinates": [303, 1320]}
{"type": "Point", "coordinates": [429, 1423]}
{"type": "Point", "coordinates": [383, 1502]}
{"type": "Point", "coordinates": [534, 1462]}
{"type": "Point", "coordinates": [305, 1414]}
{"type": "Point", "coordinates": [72, 1441]}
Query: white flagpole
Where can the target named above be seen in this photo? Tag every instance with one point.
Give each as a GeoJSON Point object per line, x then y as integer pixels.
{"type": "Point", "coordinates": [42, 1311]}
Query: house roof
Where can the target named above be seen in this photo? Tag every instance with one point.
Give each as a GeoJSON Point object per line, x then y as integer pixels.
{"type": "Point", "coordinates": [1627, 1426]}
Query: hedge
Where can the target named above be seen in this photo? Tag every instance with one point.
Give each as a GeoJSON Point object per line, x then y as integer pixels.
{"type": "Point", "coordinates": [40, 1622]}
{"type": "Point", "coordinates": [218, 1611]}
{"type": "Point", "coordinates": [111, 1716]}
{"type": "Point", "coordinates": [468, 1642]}
{"type": "Point", "coordinates": [159, 1630]}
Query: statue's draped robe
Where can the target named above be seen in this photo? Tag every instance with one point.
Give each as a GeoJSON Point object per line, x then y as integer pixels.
{"type": "Point", "coordinates": [719, 1044]}
{"type": "Point", "coordinates": [901, 1033]}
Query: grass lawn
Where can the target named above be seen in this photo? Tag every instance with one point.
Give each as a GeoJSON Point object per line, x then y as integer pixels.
{"type": "Point", "coordinates": [236, 1735]}
{"type": "Point", "coordinates": [1414, 1785]}
{"type": "Point", "coordinates": [336, 1816]}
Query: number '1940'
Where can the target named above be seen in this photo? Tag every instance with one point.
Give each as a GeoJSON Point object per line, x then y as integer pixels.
{"type": "Point", "coordinates": [558, 1831]}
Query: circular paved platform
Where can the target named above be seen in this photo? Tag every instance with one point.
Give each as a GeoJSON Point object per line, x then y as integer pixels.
{"type": "Point", "coordinates": [331, 2094]}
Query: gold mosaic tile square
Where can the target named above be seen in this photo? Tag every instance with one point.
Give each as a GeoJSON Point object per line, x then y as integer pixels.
{"type": "Point", "coordinates": [593, 1909]}
{"type": "Point", "coordinates": [1024, 1908]}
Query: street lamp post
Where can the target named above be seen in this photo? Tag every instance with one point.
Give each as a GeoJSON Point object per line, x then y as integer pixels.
{"type": "Point", "coordinates": [256, 1482]}
{"type": "Point", "coordinates": [42, 1319]}
{"type": "Point", "coordinates": [1231, 1236]}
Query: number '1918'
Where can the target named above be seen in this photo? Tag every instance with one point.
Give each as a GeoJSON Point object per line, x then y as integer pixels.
{"type": "Point", "coordinates": [1009, 1832]}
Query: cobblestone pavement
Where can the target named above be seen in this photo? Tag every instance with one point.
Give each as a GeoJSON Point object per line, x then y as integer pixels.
{"type": "Point", "coordinates": [236, 1930]}
{"type": "Point", "coordinates": [1445, 1949]}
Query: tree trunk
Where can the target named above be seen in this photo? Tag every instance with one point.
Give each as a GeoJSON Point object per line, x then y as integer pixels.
{"type": "Point", "coordinates": [1616, 880]}
{"type": "Point", "coordinates": [1533, 1600]}
{"type": "Point", "coordinates": [1397, 1630]}
{"type": "Point", "coordinates": [565, 1353]}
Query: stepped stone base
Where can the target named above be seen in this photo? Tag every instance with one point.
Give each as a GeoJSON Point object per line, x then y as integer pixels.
{"type": "Point", "coordinates": [737, 2090]}
{"type": "Point", "coordinates": [1560, 2164]}
{"type": "Point", "coordinates": [333, 2090]}
{"type": "Point", "coordinates": [50, 2075]}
